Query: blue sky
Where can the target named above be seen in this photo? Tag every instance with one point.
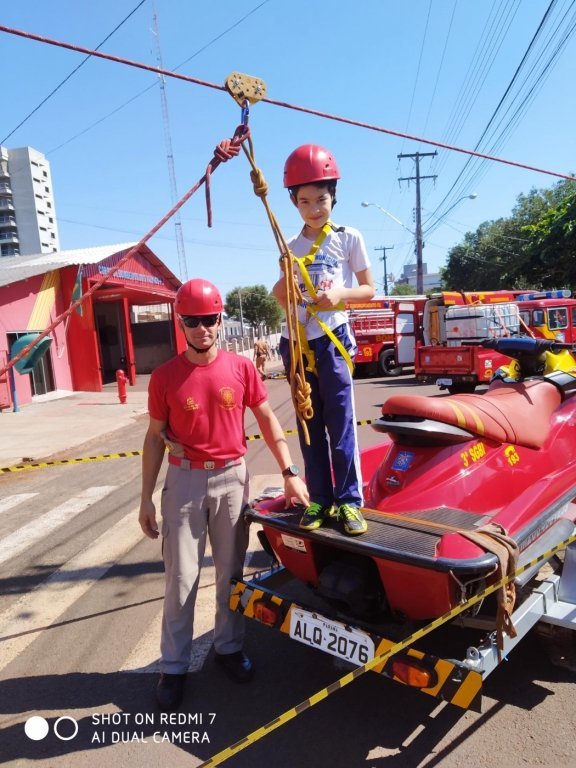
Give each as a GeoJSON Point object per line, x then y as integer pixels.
{"type": "Point", "coordinates": [436, 69]}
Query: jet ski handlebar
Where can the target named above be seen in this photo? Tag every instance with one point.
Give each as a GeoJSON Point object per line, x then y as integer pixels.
{"type": "Point", "coordinates": [524, 345]}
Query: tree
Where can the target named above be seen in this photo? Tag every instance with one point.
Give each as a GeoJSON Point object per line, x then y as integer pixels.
{"type": "Point", "coordinates": [553, 244]}
{"type": "Point", "coordinates": [259, 307]}
{"type": "Point", "coordinates": [402, 289]}
{"type": "Point", "coordinates": [533, 248]}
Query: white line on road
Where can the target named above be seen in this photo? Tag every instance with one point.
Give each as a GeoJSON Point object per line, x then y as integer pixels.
{"type": "Point", "coordinates": [26, 619]}
{"type": "Point", "coordinates": [12, 501]}
{"type": "Point", "coordinates": [144, 656]}
{"type": "Point", "coordinates": [38, 529]}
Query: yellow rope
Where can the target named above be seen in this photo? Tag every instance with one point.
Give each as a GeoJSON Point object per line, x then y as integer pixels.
{"type": "Point", "coordinates": [300, 388]}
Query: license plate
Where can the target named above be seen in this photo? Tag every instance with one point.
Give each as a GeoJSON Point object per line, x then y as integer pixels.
{"type": "Point", "coordinates": [331, 637]}
{"type": "Point", "coordinates": [444, 382]}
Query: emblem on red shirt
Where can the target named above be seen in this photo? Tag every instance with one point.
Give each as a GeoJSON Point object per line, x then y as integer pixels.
{"type": "Point", "coordinates": [191, 404]}
{"type": "Point", "coordinates": [228, 398]}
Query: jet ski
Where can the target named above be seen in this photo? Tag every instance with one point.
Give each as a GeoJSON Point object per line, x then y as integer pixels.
{"type": "Point", "coordinates": [451, 471]}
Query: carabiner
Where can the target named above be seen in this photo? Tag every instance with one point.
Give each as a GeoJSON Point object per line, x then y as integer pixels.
{"type": "Point", "coordinates": [245, 112]}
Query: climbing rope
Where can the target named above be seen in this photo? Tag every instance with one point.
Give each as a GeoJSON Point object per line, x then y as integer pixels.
{"type": "Point", "coordinates": [227, 149]}
{"type": "Point", "coordinates": [300, 388]}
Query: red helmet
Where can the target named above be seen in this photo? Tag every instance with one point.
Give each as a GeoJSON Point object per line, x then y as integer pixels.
{"type": "Point", "coordinates": [308, 164]}
{"type": "Point", "coordinates": [198, 297]}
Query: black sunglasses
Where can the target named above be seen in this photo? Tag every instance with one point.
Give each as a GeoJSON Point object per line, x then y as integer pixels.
{"type": "Point", "coordinates": [193, 321]}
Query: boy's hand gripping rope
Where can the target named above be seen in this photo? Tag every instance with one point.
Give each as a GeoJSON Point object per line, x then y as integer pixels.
{"type": "Point", "coordinates": [300, 388]}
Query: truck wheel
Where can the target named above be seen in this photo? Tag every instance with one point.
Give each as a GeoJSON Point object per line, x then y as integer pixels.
{"type": "Point", "coordinates": [387, 363]}
{"type": "Point", "coordinates": [464, 388]}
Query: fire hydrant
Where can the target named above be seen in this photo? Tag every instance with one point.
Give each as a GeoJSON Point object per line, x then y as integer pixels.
{"type": "Point", "coordinates": [121, 380]}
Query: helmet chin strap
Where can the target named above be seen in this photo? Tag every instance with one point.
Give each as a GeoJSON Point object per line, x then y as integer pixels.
{"type": "Point", "coordinates": [201, 351]}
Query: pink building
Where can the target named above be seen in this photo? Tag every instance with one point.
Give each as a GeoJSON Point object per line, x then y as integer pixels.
{"type": "Point", "coordinates": [126, 323]}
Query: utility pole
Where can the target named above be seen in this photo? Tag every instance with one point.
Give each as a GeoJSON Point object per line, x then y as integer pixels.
{"type": "Point", "coordinates": [385, 248]}
{"type": "Point", "coordinates": [419, 241]}
{"type": "Point", "coordinates": [241, 315]}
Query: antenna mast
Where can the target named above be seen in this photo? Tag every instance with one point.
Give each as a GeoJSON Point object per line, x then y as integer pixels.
{"type": "Point", "coordinates": [182, 266]}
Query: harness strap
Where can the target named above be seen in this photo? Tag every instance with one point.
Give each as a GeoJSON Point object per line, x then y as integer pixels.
{"type": "Point", "coordinates": [493, 538]}
{"type": "Point", "coordinates": [303, 264]}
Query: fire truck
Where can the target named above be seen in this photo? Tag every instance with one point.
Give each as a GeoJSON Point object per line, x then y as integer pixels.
{"type": "Point", "coordinates": [453, 324]}
{"type": "Point", "coordinates": [375, 326]}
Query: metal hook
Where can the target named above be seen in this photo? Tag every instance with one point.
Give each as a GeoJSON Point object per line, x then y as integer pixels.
{"type": "Point", "coordinates": [245, 112]}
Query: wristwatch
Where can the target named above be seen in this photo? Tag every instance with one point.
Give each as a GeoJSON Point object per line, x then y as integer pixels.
{"type": "Point", "coordinates": [291, 471]}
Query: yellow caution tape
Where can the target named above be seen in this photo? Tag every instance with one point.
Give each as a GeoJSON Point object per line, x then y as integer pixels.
{"type": "Point", "coordinates": [61, 462]}
{"type": "Point", "coordinates": [123, 455]}
{"type": "Point", "coordinates": [290, 714]}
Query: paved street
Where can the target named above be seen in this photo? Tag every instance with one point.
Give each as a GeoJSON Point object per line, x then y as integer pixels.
{"type": "Point", "coordinates": [79, 629]}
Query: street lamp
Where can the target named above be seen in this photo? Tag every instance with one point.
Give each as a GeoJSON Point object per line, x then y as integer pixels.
{"type": "Point", "coordinates": [473, 196]}
{"type": "Point", "coordinates": [365, 205]}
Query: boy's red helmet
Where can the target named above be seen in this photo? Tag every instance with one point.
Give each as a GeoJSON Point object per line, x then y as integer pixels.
{"type": "Point", "coordinates": [198, 297]}
{"type": "Point", "coordinates": [308, 164]}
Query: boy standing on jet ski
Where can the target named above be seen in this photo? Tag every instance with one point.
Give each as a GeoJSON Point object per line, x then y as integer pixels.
{"type": "Point", "coordinates": [328, 258]}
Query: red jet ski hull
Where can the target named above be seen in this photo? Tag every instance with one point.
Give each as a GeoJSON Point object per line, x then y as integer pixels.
{"type": "Point", "coordinates": [424, 491]}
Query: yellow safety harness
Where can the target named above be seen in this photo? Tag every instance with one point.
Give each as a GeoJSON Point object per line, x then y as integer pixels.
{"type": "Point", "coordinates": [246, 90]}
{"type": "Point", "coordinates": [303, 263]}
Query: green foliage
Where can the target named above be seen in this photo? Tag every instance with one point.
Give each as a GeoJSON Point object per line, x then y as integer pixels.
{"type": "Point", "coordinates": [402, 289]}
{"type": "Point", "coordinates": [533, 248]}
{"type": "Point", "coordinates": [258, 306]}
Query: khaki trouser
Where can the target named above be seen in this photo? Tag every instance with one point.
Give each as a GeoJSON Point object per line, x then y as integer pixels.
{"type": "Point", "coordinates": [197, 503]}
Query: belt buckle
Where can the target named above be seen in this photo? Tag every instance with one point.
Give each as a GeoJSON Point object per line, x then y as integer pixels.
{"type": "Point", "coordinates": [209, 465]}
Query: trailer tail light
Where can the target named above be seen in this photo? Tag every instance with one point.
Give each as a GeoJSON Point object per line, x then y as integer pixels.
{"type": "Point", "coordinates": [414, 672]}
{"type": "Point", "coordinates": [266, 613]}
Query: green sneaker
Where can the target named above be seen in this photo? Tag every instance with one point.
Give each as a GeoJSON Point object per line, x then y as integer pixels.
{"type": "Point", "coordinates": [314, 516]}
{"type": "Point", "coordinates": [352, 518]}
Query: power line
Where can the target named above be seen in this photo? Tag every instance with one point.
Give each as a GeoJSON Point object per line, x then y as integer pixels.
{"type": "Point", "coordinates": [153, 85]}
{"type": "Point", "coordinates": [284, 105]}
{"type": "Point", "coordinates": [422, 45]}
{"type": "Point", "coordinates": [89, 56]}
{"type": "Point", "coordinates": [472, 169]}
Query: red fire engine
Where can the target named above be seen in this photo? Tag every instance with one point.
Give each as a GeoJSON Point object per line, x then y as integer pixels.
{"type": "Point", "coordinates": [448, 355]}
{"type": "Point", "coordinates": [374, 324]}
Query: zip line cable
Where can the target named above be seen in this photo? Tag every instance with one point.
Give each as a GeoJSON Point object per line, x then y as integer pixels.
{"type": "Point", "coordinates": [285, 105]}
{"type": "Point", "coordinates": [154, 84]}
{"type": "Point", "coordinates": [226, 150]}
{"type": "Point", "coordinates": [108, 36]}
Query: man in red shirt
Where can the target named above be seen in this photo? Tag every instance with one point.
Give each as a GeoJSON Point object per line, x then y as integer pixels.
{"type": "Point", "coordinates": [196, 406]}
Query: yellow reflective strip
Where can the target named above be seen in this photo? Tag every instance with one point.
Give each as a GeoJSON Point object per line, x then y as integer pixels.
{"type": "Point", "coordinates": [235, 596]}
{"type": "Point", "coordinates": [249, 608]}
{"type": "Point", "coordinates": [45, 301]}
{"type": "Point", "coordinates": [286, 623]}
{"type": "Point", "coordinates": [443, 669]}
{"type": "Point", "coordinates": [458, 413]}
{"type": "Point", "coordinates": [474, 414]}
{"type": "Point", "coordinates": [468, 689]}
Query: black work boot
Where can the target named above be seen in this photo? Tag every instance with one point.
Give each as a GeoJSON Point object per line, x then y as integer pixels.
{"type": "Point", "coordinates": [169, 691]}
{"type": "Point", "coordinates": [237, 666]}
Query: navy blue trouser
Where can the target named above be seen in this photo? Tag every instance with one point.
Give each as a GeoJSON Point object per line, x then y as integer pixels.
{"type": "Point", "coordinates": [332, 460]}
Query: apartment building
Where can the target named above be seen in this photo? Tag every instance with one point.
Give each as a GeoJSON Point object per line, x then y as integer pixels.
{"type": "Point", "coordinates": [27, 212]}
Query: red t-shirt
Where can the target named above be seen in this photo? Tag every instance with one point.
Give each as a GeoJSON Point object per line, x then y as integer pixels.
{"type": "Point", "coordinates": [204, 405]}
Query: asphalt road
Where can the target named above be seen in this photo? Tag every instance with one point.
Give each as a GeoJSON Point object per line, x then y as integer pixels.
{"type": "Point", "coordinates": [79, 628]}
